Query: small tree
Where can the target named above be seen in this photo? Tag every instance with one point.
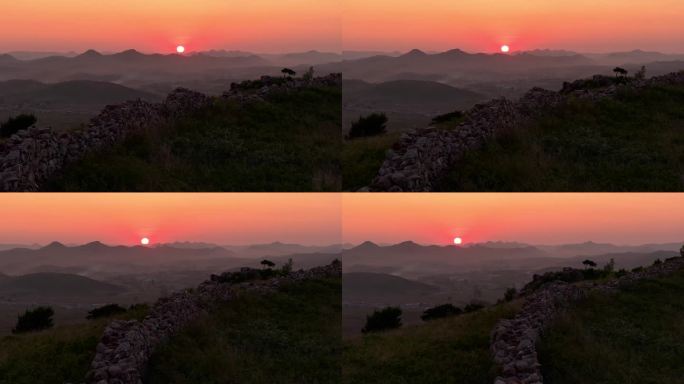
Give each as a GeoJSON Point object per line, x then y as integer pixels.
{"type": "Point", "coordinates": [589, 264]}
{"type": "Point", "coordinates": [309, 74]}
{"type": "Point", "coordinates": [444, 310]}
{"type": "Point", "coordinates": [267, 263]}
{"type": "Point", "coordinates": [371, 125]}
{"type": "Point", "coordinates": [287, 267]}
{"type": "Point", "coordinates": [16, 124]}
{"type": "Point", "coordinates": [510, 294]}
{"type": "Point", "coordinates": [657, 262]}
{"type": "Point", "coordinates": [34, 320]}
{"type": "Point", "coordinates": [105, 311]}
{"type": "Point", "coordinates": [681, 251]}
{"type": "Point", "coordinates": [287, 72]}
{"type": "Point", "coordinates": [610, 266]}
{"type": "Point", "coordinates": [384, 319]}
{"type": "Point", "coordinates": [620, 72]}
{"type": "Point", "coordinates": [641, 73]}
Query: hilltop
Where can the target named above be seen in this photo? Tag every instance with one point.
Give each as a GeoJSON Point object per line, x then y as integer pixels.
{"type": "Point", "coordinates": [598, 134]}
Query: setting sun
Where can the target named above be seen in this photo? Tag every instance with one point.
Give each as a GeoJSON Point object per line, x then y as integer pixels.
{"type": "Point", "coordinates": [180, 49]}
{"type": "Point", "coordinates": [458, 241]}
{"type": "Point", "coordinates": [144, 241]}
{"type": "Point", "coordinates": [505, 48]}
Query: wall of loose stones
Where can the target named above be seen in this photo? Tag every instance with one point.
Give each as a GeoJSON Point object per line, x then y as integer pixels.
{"type": "Point", "coordinates": [125, 348]}
{"type": "Point", "coordinates": [513, 341]}
{"type": "Point", "coordinates": [423, 157]}
{"type": "Point", "coordinates": [32, 156]}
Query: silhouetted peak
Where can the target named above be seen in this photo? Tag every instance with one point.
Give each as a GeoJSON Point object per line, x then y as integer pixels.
{"type": "Point", "coordinates": [367, 245]}
{"type": "Point", "coordinates": [54, 245]}
{"type": "Point", "coordinates": [454, 52]}
{"type": "Point", "coordinates": [94, 245]}
{"type": "Point", "coordinates": [90, 53]}
{"type": "Point", "coordinates": [129, 53]}
{"type": "Point", "coordinates": [414, 53]}
{"type": "Point", "coordinates": [406, 244]}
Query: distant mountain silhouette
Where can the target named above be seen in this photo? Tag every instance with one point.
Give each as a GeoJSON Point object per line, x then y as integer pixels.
{"type": "Point", "coordinates": [46, 286]}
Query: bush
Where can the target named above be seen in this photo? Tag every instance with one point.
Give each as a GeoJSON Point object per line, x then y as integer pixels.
{"type": "Point", "coordinates": [287, 267]}
{"type": "Point", "coordinates": [610, 266]}
{"type": "Point", "coordinates": [510, 294]}
{"type": "Point", "coordinates": [371, 125]}
{"type": "Point", "coordinates": [35, 320]}
{"type": "Point", "coordinates": [384, 319]}
{"type": "Point", "coordinates": [105, 311]}
{"type": "Point", "coordinates": [620, 273]}
{"type": "Point", "coordinates": [657, 262]}
{"type": "Point", "coordinates": [638, 269]}
{"type": "Point", "coordinates": [472, 307]}
{"type": "Point", "coordinates": [16, 124]}
{"type": "Point", "coordinates": [447, 117]}
{"type": "Point", "coordinates": [444, 310]}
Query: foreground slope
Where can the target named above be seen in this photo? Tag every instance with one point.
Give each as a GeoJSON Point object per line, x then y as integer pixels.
{"type": "Point", "coordinates": [292, 336]}
{"type": "Point", "coordinates": [634, 336]}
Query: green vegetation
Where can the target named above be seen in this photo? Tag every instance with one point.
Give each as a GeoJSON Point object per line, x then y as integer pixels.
{"type": "Point", "coordinates": [58, 355]}
{"type": "Point", "coordinates": [633, 142]}
{"type": "Point", "coordinates": [449, 350]}
{"type": "Point", "coordinates": [105, 311]}
{"type": "Point", "coordinates": [362, 157]}
{"type": "Point", "coordinates": [35, 320]}
{"type": "Point", "coordinates": [440, 311]}
{"type": "Point", "coordinates": [636, 336]}
{"type": "Point", "coordinates": [372, 125]}
{"type": "Point", "coordinates": [16, 124]}
{"type": "Point", "coordinates": [383, 320]}
{"type": "Point", "coordinates": [289, 143]}
{"type": "Point", "coordinates": [293, 336]}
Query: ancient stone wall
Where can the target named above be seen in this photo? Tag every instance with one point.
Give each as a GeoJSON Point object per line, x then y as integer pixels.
{"type": "Point", "coordinates": [423, 157]}
{"type": "Point", "coordinates": [513, 341]}
{"type": "Point", "coordinates": [126, 346]}
{"type": "Point", "coordinates": [32, 156]}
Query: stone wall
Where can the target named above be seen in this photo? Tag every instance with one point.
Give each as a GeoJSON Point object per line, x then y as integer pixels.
{"type": "Point", "coordinates": [513, 341]}
{"type": "Point", "coordinates": [126, 346]}
{"type": "Point", "coordinates": [423, 157]}
{"type": "Point", "coordinates": [32, 156]}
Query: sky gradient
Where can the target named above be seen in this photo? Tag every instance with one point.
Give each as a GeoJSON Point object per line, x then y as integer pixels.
{"type": "Point", "coordinates": [485, 25]}
{"type": "Point", "coordinates": [124, 218]}
{"type": "Point", "coordinates": [435, 218]}
{"type": "Point", "coordinates": [161, 25]}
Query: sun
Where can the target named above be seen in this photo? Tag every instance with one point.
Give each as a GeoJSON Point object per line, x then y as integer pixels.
{"type": "Point", "coordinates": [505, 48]}
{"type": "Point", "coordinates": [458, 241]}
{"type": "Point", "coordinates": [144, 241]}
{"type": "Point", "coordinates": [180, 49]}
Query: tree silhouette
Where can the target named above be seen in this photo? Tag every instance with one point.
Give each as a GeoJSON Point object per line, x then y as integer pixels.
{"type": "Point", "coordinates": [681, 251]}
{"type": "Point", "coordinates": [620, 72]}
{"type": "Point", "coordinates": [440, 311]}
{"type": "Point", "coordinates": [288, 72]}
{"type": "Point", "coordinates": [588, 263]}
{"type": "Point", "coordinates": [16, 124]}
{"type": "Point", "coordinates": [641, 73]}
{"type": "Point", "coordinates": [387, 318]}
{"type": "Point", "coordinates": [267, 263]}
{"type": "Point", "coordinates": [35, 320]}
{"type": "Point", "coordinates": [371, 125]}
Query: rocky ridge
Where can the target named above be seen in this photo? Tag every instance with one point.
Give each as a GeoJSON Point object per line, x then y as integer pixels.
{"type": "Point", "coordinates": [126, 346]}
{"type": "Point", "coordinates": [513, 341]}
{"type": "Point", "coordinates": [30, 157]}
{"type": "Point", "coordinates": [422, 158]}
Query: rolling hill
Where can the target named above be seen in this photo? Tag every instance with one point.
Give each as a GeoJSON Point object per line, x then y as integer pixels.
{"type": "Point", "coordinates": [369, 287]}
{"type": "Point", "coordinates": [49, 286]}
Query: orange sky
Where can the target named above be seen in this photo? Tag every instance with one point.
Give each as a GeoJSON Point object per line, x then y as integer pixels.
{"type": "Point", "coordinates": [160, 25]}
{"type": "Point", "coordinates": [484, 25]}
{"type": "Point", "coordinates": [225, 218]}
{"type": "Point", "coordinates": [435, 218]}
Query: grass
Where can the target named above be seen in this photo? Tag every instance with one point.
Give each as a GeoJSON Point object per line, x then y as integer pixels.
{"type": "Point", "coordinates": [293, 336]}
{"type": "Point", "coordinates": [59, 355]}
{"type": "Point", "coordinates": [451, 350]}
{"type": "Point", "coordinates": [292, 142]}
{"type": "Point", "coordinates": [634, 142]}
{"type": "Point", "coordinates": [362, 158]}
{"type": "Point", "coordinates": [636, 336]}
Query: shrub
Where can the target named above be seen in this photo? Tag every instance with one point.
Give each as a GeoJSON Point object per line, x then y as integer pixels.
{"type": "Point", "coordinates": [620, 273]}
{"type": "Point", "coordinates": [16, 124]}
{"type": "Point", "coordinates": [267, 263]}
{"type": "Point", "coordinates": [681, 251]}
{"type": "Point", "coordinates": [384, 319]}
{"type": "Point", "coordinates": [447, 117]}
{"type": "Point", "coordinates": [472, 307]}
{"type": "Point", "coordinates": [444, 310]}
{"type": "Point", "coordinates": [105, 311]}
{"type": "Point", "coordinates": [510, 294]}
{"type": "Point", "coordinates": [637, 269]}
{"type": "Point", "coordinates": [35, 320]}
{"type": "Point", "coordinates": [287, 267]}
{"type": "Point", "coordinates": [657, 262]}
{"type": "Point", "coordinates": [371, 125]}
{"type": "Point", "coordinates": [641, 73]}
{"type": "Point", "coordinates": [610, 266]}
{"type": "Point", "coordinates": [589, 263]}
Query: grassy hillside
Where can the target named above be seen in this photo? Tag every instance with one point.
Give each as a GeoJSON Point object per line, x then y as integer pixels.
{"type": "Point", "coordinates": [452, 350]}
{"type": "Point", "coordinates": [290, 143]}
{"type": "Point", "coordinates": [362, 157]}
{"type": "Point", "coordinates": [54, 284]}
{"type": "Point", "coordinates": [293, 336]}
{"type": "Point", "coordinates": [636, 336]}
{"type": "Point", "coordinates": [634, 142]}
{"type": "Point", "coordinates": [58, 355]}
